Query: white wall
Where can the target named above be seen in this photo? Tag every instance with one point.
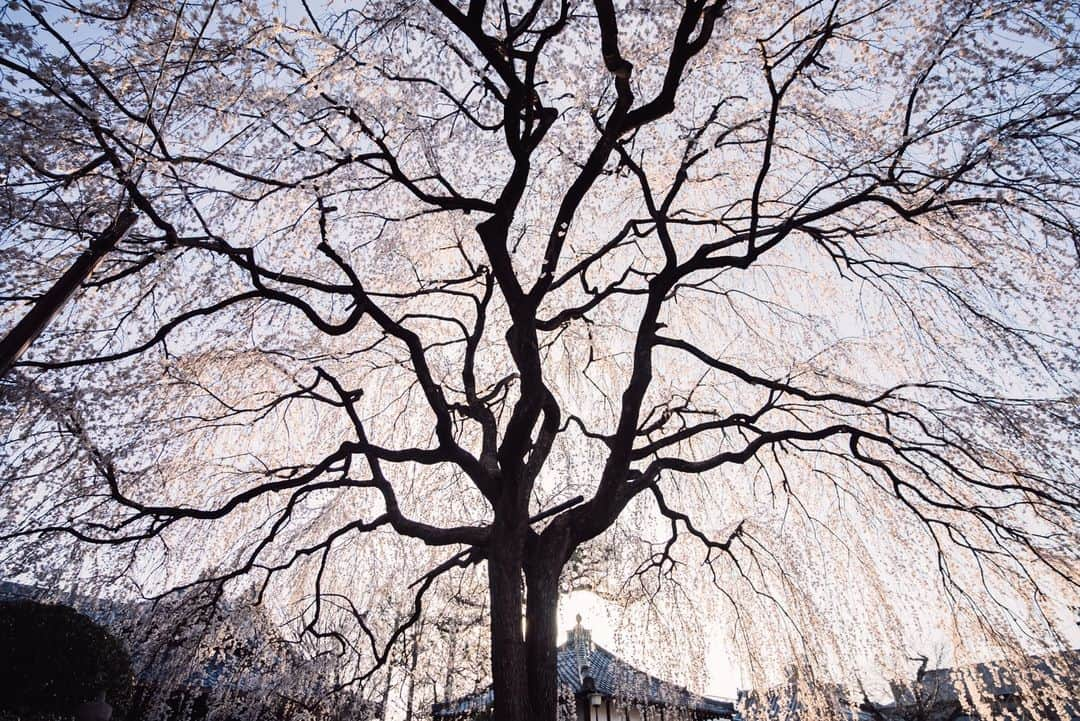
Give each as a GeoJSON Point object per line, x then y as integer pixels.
{"type": "Point", "coordinates": [618, 713]}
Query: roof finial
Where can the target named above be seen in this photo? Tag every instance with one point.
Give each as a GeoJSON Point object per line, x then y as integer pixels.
{"type": "Point", "coordinates": [579, 620]}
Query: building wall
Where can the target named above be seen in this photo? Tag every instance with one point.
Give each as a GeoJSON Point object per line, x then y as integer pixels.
{"type": "Point", "coordinates": [610, 710]}
{"type": "Point", "coordinates": [613, 711]}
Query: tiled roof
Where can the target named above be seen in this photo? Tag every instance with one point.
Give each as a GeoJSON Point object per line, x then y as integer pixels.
{"type": "Point", "coordinates": [1000, 678]}
{"type": "Point", "coordinates": [465, 706]}
{"type": "Point", "coordinates": [612, 677]}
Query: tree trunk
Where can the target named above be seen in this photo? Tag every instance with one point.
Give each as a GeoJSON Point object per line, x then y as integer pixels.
{"type": "Point", "coordinates": [509, 673]}
{"type": "Point", "coordinates": [414, 655]}
{"type": "Point", "coordinates": [541, 638]}
{"type": "Point", "coordinates": [386, 686]}
{"type": "Point", "coordinates": [451, 665]}
{"type": "Point", "coordinates": [51, 301]}
{"type": "Point", "coordinates": [523, 666]}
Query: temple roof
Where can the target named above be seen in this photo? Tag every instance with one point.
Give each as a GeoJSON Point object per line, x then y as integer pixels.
{"type": "Point", "coordinates": [585, 667]}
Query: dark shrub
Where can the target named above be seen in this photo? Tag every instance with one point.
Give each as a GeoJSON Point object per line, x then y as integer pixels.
{"type": "Point", "coordinates": [53, 658]}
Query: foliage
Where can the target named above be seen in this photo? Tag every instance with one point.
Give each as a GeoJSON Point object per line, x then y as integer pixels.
{"type": "Point", "coordinates": [53, 658]}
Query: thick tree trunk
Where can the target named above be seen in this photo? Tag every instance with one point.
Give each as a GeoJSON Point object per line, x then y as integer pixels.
{"type": "Point", "coordinates": [541, 638]}
{"type": "Point", "coordinates": [523, 660]}
{"type": "Point", "coordinates": [508, 665]}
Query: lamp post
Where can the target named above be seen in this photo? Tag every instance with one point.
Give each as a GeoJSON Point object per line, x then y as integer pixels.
{"type": "Point", "coordinates": [595, 700]}
{"type": "Point", "coordinates": [588, 686]}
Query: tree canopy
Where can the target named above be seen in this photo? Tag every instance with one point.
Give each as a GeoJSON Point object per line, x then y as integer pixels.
{"type": "Point", "coordinates": [53, 658]}
{"type": "Point", "coordinates": [758, 315]}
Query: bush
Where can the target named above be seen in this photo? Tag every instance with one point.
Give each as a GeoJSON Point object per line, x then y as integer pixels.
{"type": "Point", "coordinates": [53, 658]}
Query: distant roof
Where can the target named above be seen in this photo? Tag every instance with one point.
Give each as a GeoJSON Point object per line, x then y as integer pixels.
{"type": "Point", "coordinates": [1003, 678]}
{"type": "Point", "coordinates": [612, 677]}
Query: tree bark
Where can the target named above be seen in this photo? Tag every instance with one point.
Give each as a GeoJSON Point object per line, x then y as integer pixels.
{"type": "Point", "coordinates": [386, 685]}
{"type": "Point", "coordinates": [523, 660]}
{"type": "Point", "coordinates": [541, 637]}
{"type": "Point", "coordinates": [509, 672]}
{"type": "Point", "coordinates": [414, 654]}
{"type": "Point", "coordinates": [51, 301]}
